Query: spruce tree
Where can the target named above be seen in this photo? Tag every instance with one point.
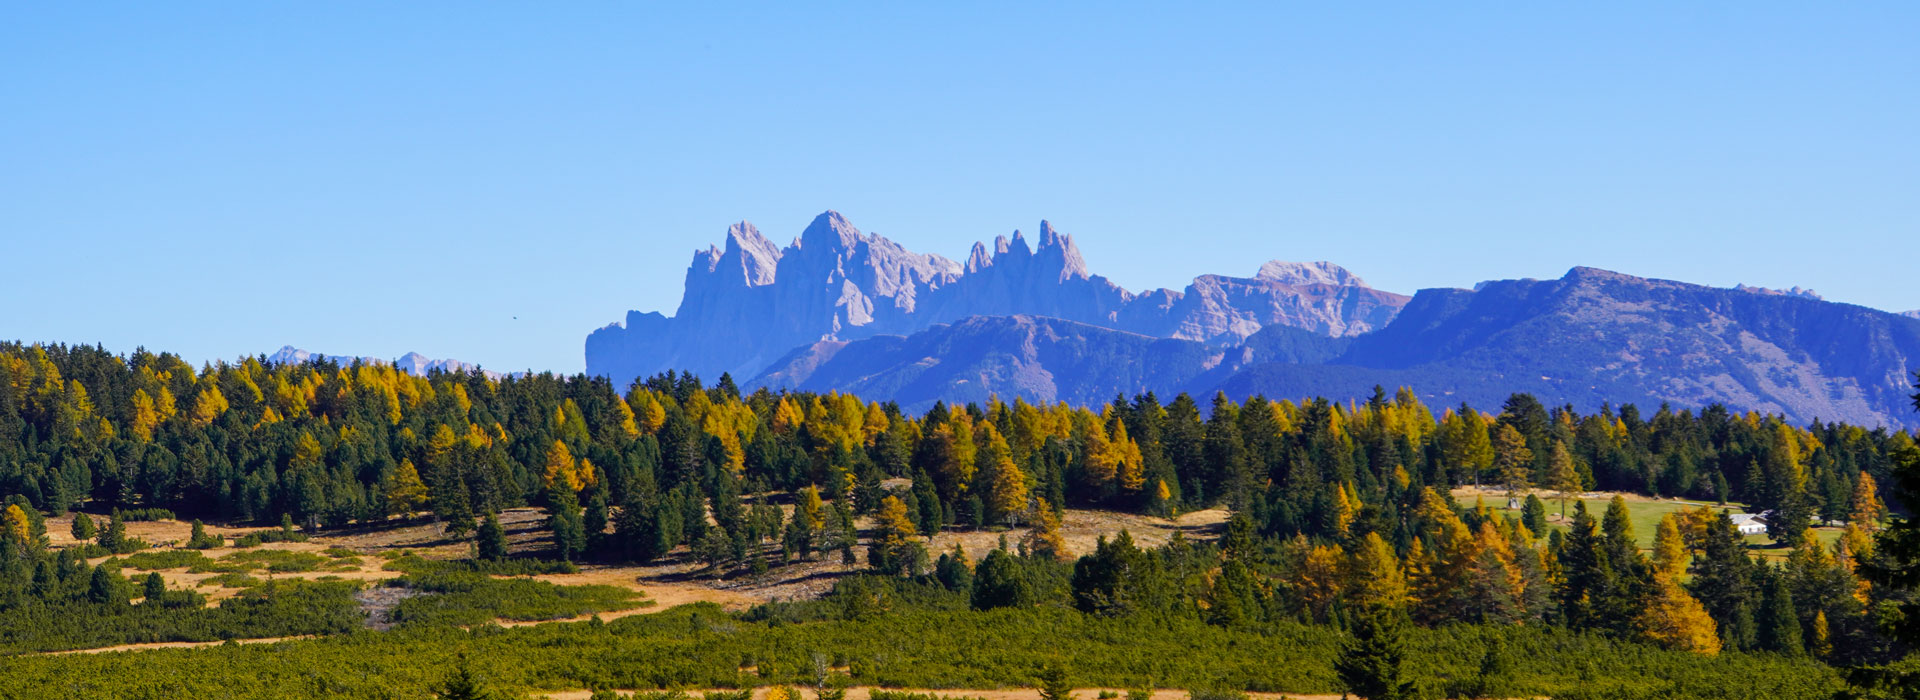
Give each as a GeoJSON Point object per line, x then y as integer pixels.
{"type": "Point", "coordinates": [1372, 662]}
{"type": "Point", "coordinates": [82, 529]}
{"type": "Point", "coordinates": [999, 582]}
{"type": "Point", "coordinates": [1779, 621]}
{"type": "Point", "coordinates": [1534, 514]}
{"type": "Point", "coordinates": [492, 540]}
{"type": "Point", "coordinates": [1723, 581]}
{"type": "Point", "coordinates": [154, 589]}
{"type": "Point", "coordinates": [1053, 683]}
{"type": "Point", "coordinates": [106, 587]}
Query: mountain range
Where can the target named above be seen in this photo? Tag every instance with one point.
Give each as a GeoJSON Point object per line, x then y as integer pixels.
{"type": "Point", "coordinates": [412, 363]}
{"type": "Point", "coordinates": [841, 310]}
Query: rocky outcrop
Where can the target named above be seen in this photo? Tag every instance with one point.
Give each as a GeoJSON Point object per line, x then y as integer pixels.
{"type": "Point", "coordinates": [748, 303]}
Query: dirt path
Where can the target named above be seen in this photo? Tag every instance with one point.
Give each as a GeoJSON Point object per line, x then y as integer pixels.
{"type": "Point", "coordinates": [863, 693]}
{"type": "Point", "coordinates": [171, 645]}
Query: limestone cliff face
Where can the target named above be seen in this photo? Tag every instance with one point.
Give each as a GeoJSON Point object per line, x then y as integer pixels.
{"type": "Point", "coordinates": [750, 302]}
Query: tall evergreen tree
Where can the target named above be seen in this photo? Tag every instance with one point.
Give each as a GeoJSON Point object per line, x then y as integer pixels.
{"type": "Point", "coordinates": [1372, 662]}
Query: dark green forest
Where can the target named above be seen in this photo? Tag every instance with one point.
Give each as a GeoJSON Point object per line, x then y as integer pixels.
{"type": "Point", "coordinates": [1346, 554]}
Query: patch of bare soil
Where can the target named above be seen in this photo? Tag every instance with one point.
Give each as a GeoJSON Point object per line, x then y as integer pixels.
{"type": "Point", "coordinates": [864, 693]}
{"type": "Point", "coordinates": [172, 645]}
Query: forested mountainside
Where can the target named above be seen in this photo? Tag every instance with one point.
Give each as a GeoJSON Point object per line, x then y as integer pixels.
{"type": "Point", "coordinates": [1352, 500]}
{"type": "Point", "coordinates": [1589, 339]}
{"type": "Point", "coordinates": [752, 302]}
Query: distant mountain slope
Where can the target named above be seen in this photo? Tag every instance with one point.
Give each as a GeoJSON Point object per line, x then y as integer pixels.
{"type": "Point", "coordinates": [751, 302]}
{"type": "Point", "coordinates": [1595, 336]}
{"type": "Point", "coordinates": [1911, 314]}
{"type": "Point", "coordinates": [1590, 338]}
{"type": "Point", "coordinates": [1040, 359]}
{"type": "Point", "coordinates": [412, 363]}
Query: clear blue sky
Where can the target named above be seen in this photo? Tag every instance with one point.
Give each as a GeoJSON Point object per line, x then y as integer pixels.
{"type": "Point", "coordinates": [219, 179]}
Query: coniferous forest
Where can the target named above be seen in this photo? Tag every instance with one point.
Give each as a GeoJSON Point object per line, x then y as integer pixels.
{"type": "Point", "coordinates": [1347, 563]}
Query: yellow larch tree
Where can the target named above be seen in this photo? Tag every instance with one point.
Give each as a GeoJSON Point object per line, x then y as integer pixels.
{"type": "Point", "coordinates": [405, 492]}
{"type": "Point", "coordinates": [1673, 619]}
{"type": "Point", "coordinates": [1043, 539]}
{"type": "Point", "coordinates": [1868, 510]}
{"type": "Point", "coordinates": [1319, 581]}
{"type": "Point", "coordinates": [1374, 578]}
{"type": "Point", "coordinates": [144, 417]}
{"type": "Point", "coordinates": [1669, 547]}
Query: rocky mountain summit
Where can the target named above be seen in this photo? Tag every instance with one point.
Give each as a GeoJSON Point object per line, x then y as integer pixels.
{"type": "Point", "coordinates": [412, 363]}
{"type": "Point", "coordinates": [750, 302]}
{"type": "Point", "coordinates": [838, 309]}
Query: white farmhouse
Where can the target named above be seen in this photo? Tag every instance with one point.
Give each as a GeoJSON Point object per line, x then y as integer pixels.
{"type": "Point", "coordinates": [1749, 523]}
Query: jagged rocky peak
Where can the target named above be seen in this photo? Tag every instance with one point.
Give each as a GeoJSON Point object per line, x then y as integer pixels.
{"type": "Point", "coordinates": [829, 232]}
{"type": "Point", "coordinates": [1309, 273]}
{"type": "Point", "coordinates": [977, 259]}
{"type": "Point", "coordinates": [748, 257]}
{"type": "Point", "coordinates": [1058, 248]}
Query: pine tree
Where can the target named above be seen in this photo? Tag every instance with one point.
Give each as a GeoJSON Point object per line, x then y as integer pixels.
{"type": "Point", "coordinates": [569, 530]}
{"type": "Point", "coordinates": [1534, 514]}
{"type": "Point", "coordinates": [1723, 582]}
{"type": "Point", "coordinates": [492, 540]}
{"type": "Point", "coordinates": [999, 583]}
{"type": "Point", "coordinates": [113, 537]}
{"type": "Point", "coordinates": [106, 587]}
{"type": "Point", "coordinates": [1511, 459]}
{"type": "Point", "coordinates": [462, 684]}
{"type": "Point", "coordinates": [82, 527]}
{"type": "Point", "coordinates": [1371, 663]}
{"type": "Point", "coordinates": [1053, 683]}
{"type": "Point", "coordinates": [154, 589]}
{"type": "Point", "coordinates": [1779, 622]}
{"type": "Point", "coordinates": [1561, 476]}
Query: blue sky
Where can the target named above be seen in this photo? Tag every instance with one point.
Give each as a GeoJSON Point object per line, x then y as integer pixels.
{"type": "Point", "coordinates": [219, 179]}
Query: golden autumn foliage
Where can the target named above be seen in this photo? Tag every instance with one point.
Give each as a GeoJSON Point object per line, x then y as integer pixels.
{"type": "Point", "coordinates": [1006, 484]}
{"type": "Point", "coordinates": [1319, 580]}
{"type": "Point", "coordinates": [208, 405]}
{"type": "Point", "coordinates": [16, 526]}
{"type": "Point", "coordinates": [1043, 539]}
{"type": "Point", "coordinates": [405, 492]}
{"type": "Point", "coordinates": [1675, 620]}
{"type": "Point", "coordinates": [563, 471]}
{"type": "Point", "coordinates": [1867, 509]}
{"type": "Point", "coordinates": [1669, 547]}
{"type": "Point", "coordinates": [1373, 574]}
{"type": "Point", "coordinates": [144, 416]}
